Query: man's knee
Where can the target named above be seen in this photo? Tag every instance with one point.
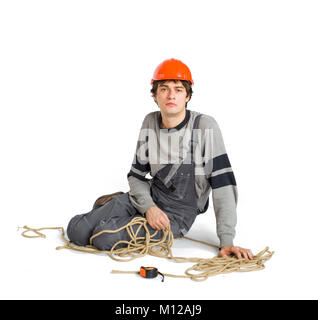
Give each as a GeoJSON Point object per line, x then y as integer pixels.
{"type": "Point", "coordinates": [78, 230]}
{"type": "Point", "coordinates": [104, 240]}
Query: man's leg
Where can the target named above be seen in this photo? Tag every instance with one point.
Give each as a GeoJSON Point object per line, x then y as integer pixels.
{"type": "Point", "coordinates": [105, 241]}
{"type": "Point", "coordinates": [80, 227]}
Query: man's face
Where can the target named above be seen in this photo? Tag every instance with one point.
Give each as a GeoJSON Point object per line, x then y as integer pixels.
{"type": "Point", "coordinates": [171, 97]}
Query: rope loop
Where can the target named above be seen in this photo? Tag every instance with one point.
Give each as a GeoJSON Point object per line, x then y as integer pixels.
{"type": "Point", "coordinates": [141, 246]}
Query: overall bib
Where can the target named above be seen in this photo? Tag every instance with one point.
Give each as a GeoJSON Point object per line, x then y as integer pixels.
{"type": "Point", "coordinates": [172, 190]}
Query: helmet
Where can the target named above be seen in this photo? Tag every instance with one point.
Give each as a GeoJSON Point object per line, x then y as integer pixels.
{"type": "Point", "coordinates": [172, 69]}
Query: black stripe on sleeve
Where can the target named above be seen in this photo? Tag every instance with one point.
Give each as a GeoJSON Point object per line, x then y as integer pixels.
{"type": "Point", "coordinates": [221, 162]}
{"type": "Point", "coordinates": [222, 180]}
{"type": "Point", "coordinates": [136, 175]}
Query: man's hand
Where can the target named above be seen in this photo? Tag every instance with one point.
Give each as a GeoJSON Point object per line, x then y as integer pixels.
{"type": "Point", "coordinates": [157, 219]}
{"type": "Point", "coordinates": [238, 251]}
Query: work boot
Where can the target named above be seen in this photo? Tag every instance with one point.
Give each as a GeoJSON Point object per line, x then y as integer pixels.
{"type": "Point", "coordinates": [106, 198]}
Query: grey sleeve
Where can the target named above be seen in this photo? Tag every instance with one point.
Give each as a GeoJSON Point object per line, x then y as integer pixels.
{"type": "Point", "coordinates": [139, 193]}
{"type": "Point", "coordinates": [219, 172]}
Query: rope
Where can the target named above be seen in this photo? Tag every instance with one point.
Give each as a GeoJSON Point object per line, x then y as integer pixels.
{"type": "Point", "coordinates": [141, 246]}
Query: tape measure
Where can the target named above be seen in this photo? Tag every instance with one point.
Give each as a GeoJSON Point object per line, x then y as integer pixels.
{"type": "Point", "coordinates": [150, 272]}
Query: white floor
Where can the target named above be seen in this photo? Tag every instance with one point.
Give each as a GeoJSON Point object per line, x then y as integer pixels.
{"type": "Point", "coordinates": [33, 269]}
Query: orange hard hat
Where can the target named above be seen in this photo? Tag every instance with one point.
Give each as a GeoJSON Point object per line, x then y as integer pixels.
{"type": "Point", "coordinates": [172, 69]}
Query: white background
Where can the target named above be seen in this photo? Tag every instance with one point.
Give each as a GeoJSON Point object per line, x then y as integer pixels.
{"type": "Point", "coordinates": [75, 87]}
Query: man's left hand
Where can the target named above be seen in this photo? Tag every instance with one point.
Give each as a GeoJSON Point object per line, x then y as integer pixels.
{"type": "Point", "coordinates": [238, 251]}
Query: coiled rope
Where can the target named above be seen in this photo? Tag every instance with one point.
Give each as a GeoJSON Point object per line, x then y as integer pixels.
{"type": "Point", "coordinates": [141, 246]}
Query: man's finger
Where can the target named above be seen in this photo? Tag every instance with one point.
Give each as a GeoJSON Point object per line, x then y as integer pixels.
{"type": "Point", "coordinates": [165, 218]}
{"type": "Point", "coordinates": [245, 254]}
{"type": "Point", "coordinates": [165, 222]}
{"type": "Point", "coordinates": [237, 253]}
{"type": "Point", "coordinates": [153, 224]}
{"type": "Point", "coordinates": [250, 254]}
{"type": "Point", "coordinates": [160, 225]}
{"type": "Point", "coordinates": [223, 254]}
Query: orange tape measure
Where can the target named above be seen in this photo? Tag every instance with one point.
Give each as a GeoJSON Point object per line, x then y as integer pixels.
{"type": "Point", "coordinates": [150, 272]}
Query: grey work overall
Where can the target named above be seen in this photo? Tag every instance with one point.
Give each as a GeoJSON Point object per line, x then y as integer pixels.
{"type": "Point", "coordinates": [176, 197]}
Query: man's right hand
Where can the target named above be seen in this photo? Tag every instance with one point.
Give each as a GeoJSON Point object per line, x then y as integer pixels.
{"type": "Point", "coordinates": [157, 219]}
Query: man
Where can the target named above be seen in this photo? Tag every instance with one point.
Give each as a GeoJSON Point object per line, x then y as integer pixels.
{"type": "Point", "coordinates": [184, 153]}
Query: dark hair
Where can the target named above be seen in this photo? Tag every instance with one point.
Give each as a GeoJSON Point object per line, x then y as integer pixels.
{"type": "Point", "coordinates": [185, 83]}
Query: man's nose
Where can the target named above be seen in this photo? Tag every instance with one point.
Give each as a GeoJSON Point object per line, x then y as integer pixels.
{"type": "Point", "coordinates": [171, 94]}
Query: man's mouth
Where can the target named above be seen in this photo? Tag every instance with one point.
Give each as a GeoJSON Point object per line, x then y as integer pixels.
{"type": "Point", "coordinates": [170, 104]}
